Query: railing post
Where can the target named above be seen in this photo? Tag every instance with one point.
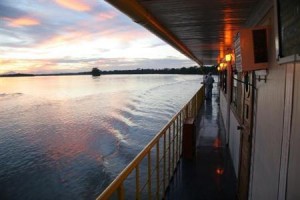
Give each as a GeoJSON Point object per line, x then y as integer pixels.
{"type": "Point", "coordinates": [187, 111]}
{"type": "Point", "coordinates": [180, 134]}
{"type": "Point", "coordinates": [121, 192]}
{"type": "Point", "coordinates": [169, 163]}
{"type": "Point", "coordinates": [177, 141]}
{"type": "Point", "coordinates": [149, 175]}
{"type": "Point", "coordinates": [195, 105]}
{"type": "Point", "coordinates": [164, 164]}
{"type": "Point", "coordinates": [190, 108]}
{"type": "Point", "coordinates": [157, 170]}
{"type": "Point", "coordinates": [173, 146]}
{"type": "Point", "coordinates": [198, 100]}
{"type": "Point", "coordinates": [137, 183]}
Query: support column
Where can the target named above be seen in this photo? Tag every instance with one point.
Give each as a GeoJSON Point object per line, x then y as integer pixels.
{"type": "Point", "coordinates": [286, 135]}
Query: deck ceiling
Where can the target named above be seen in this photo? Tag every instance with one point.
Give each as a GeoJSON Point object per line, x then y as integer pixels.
{"type": "Point", "coordinates": [203, 30]}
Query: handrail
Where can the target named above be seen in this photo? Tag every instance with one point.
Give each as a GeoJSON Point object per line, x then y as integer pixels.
{"type": "Point", "coordinates": [174, 138]}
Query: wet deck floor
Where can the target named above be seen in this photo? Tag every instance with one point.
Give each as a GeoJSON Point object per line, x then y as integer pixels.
{"type": "Point", "coordinates": [210, 175]}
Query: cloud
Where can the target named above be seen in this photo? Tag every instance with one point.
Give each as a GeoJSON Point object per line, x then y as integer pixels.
{"type": "Point", "coordinates": [22, 21]}
{"type": "Point", "coordinates": [103, 16]}
{"type": "Point", "coordinates": [8, 11]}
{"type": "Point", "coordinates": [74, 5]}
{"type": "Point", "coordinates": [63, 39]}
{"type": "Point", "coordinates": [69, 36]}
{"type": "Point", "coordinates": [19, 65]}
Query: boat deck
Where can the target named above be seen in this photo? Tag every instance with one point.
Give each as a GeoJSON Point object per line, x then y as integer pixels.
{"type": "Point", "coordinates": [210, 175]}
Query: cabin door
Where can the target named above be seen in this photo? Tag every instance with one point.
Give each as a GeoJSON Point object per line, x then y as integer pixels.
{"type": "Point", "coordinates": [246, 136]}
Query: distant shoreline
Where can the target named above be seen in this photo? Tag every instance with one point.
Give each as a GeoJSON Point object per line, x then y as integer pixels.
{"type": "Point", "coordinates": [183, 70]}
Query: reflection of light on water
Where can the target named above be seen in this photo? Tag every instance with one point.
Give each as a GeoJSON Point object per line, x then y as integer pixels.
{"type": "Point", "coordinates": [125, 120]}
{"type": "Point", "coordinates": [118, 135]}
{"type": "Point", "coordinates": [217, 142]}
{"type": "Point", "coordinates": [81, 131]}
{"type": "Point", "coordinates": [219, 171]}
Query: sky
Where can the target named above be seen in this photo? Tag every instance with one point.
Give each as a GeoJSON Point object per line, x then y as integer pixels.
{"type": "Point", "coordinates": [56, 36]}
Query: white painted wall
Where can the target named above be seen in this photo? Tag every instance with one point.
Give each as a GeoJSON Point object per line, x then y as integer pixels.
{"type": "Point", "coordinates": [223, 107]}
{"type": "Point", "coordinates": [234, 134]}
{"type": "Point", "coordinates": [234, 142]}
{"type": "Point", "coordinates": [293, 176]}
{"type": "Point", "coordinates": [268, 127]}
{"type": "Point", "coordinates": [268, 135]}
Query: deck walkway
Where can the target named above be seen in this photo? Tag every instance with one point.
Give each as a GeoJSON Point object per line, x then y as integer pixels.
{"type": "Point", "coordinates": [210, 176]}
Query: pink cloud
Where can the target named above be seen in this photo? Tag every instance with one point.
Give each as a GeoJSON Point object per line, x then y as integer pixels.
{"type": "Point", "coordinates": [106, 16]}
{"type": "Point", "coordinates": [22, 21]}
{"type": "Point", "coordinates": [76, 5]}
{"type": "Point", "coordinates": [69, 36]}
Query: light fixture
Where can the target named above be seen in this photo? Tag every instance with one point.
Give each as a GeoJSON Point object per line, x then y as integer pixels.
{"type": "Point", "coordinates": [223, 66]}
{"type": "Point", "coordinates": [228, 57]}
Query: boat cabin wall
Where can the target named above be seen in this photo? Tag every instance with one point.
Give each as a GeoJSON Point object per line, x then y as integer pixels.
{"type": "Point", "coordinates": [276, 117]}
{"type": "Point", "coordinates": [268, 124]}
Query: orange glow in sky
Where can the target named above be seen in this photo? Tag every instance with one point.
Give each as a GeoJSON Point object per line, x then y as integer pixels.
{"type": "Point", "coordinates": [74, 5]}
{"type": "Point", "coordinates": [23, 21]}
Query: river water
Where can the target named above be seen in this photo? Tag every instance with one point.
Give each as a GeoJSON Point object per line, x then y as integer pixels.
{"type": "Point", "coordinates": [64, 137]}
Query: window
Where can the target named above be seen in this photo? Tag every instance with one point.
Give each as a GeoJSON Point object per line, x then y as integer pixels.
{"type": "Point", "coordinates": [234, 97]}
{"type": "Point", "coordinates": [237, 93]}
{"type": "Point", "coordinates": [223, 81]}
{"type": "Point", "coordinates": [289, 27]}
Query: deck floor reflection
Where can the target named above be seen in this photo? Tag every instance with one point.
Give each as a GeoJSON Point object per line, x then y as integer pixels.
{"type": "Point", "coordinates": [210, 175]}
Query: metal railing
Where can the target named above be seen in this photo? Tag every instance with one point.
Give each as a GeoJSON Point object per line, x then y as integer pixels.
{"type": "Point", "coordinates": [157, 161]}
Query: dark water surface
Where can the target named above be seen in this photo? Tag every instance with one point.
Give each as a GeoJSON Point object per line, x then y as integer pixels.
{"type": "Point", "coordinates": [68, 137]}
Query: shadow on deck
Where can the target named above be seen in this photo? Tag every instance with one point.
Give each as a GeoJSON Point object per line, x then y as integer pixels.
{"type": "Point", "coordinates": [210, 175]}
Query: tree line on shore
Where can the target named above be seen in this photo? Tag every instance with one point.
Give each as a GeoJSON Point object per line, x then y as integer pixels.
{"type": "Point", "coordinates": [183, 70]}
{"type": "Point", "coordinates": [96, 72]}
